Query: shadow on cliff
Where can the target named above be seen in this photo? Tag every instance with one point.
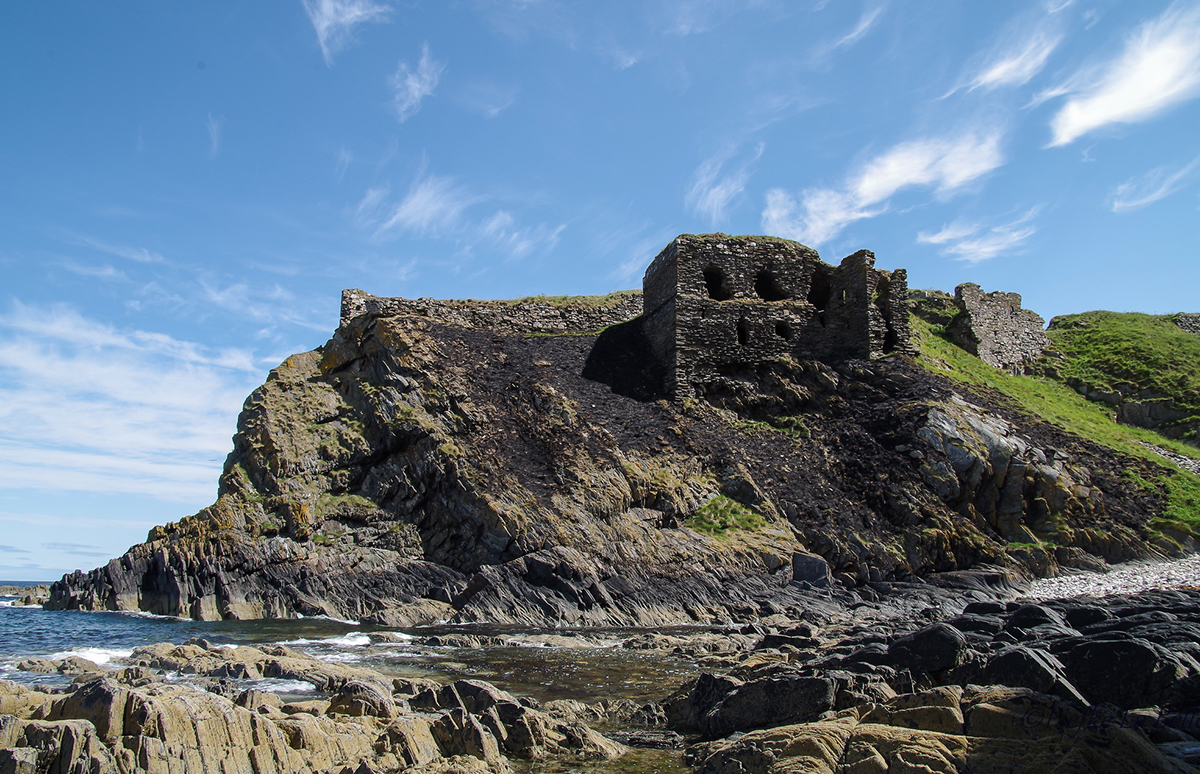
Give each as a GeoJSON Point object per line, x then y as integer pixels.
{"type": "Point", "coordinates": [621, 358]}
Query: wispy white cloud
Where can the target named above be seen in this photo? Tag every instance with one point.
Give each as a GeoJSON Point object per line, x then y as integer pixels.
{"type": "Point", "coordinates": [1158, 183]}
{"type": "Point", "coordinates": [622, 58]}
{"type": "Point", "coordinates": [336, 20]}
{"type": "Point", "coordinates": [487, 98]}
{"type": "Point", "coordinates": [638, 255]}
{"type": "Point", "coordinates": [711, 191]}
{"type": "Point", "coordinates": [1018, 62]}
{"type": "Point", "coordinates": [973, 242]}
{"type": "Point", "coordinates": [413, 85]}
{"type": "Point", "coordinates": [500, 231]}
{"type": "Point", "coordinates": [945, 164]}
{"type": "Point", "coordinates": [1158, 68]}
{"type": "Point", "coordinates": [139, 254]}
{"type": "Point", "coordinates": [437, 206]}
{"type": "Point", "coordinates": [693, 17]}
{"type": "Point", "coordinates": [433, 205]}
{"type": "Point", "coordinates": [87, 407]}
{"type": "Point", "coordinates": [344, 159]}
{"type": "Point", "coordinates": [215, 126]}
{"type": "Point", "coordinates": [76, 549]}
{"type": "Point", "coordinates": [865, 23]}
{"type": "Point", "coordinates": [102, 271]}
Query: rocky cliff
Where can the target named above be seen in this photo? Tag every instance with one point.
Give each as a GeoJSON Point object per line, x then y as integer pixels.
{"type": "Point", "coordinates": [419, 468]}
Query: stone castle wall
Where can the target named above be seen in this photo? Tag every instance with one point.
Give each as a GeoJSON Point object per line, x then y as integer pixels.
{"type": "Point", "coordinates": [514, 318]}
{"type": "Point", "coordinates": [716, 304]}
{"type": "Point", "coordinates": [1188, 321]}
{"type": "Point", "coordinates": [994, 328]}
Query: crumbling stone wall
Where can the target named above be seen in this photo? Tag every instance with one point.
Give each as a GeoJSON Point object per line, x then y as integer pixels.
{"type": "Point", "coordinates": [994, 328]}
{"type": "Point", "coordinates": [716, 305]}
{"type": "Point", "coordinates": [514, 318]}
{"type": "Point", "coordinates": [1190, 322]}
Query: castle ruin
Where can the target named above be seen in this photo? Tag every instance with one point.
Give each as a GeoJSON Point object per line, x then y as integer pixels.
{"type": "Point", "coordinates": [994, 328]}
{"type": "Point", "coordinates": [716, 305]}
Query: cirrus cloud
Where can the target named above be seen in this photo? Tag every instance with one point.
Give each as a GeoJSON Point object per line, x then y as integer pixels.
{"type": "Point", "coordinates": [945, 164]}
{"type": "Point", "coordinates": [1158, 68]}
{"type": "Point", "coordinates": [336, 20]}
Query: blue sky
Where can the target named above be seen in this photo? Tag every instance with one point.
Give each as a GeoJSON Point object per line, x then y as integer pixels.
{"type": "Point", "coordinates": [186, 188]}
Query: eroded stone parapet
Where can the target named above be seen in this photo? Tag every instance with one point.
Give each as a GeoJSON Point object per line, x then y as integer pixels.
{"type": "Point", "coordinates": [994, 328]}
{"type": "Point", "coordinates": [519, 317]}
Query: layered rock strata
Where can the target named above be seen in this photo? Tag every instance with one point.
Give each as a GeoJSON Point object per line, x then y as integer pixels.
{"type": "Point", "coordinates": [130, 720]}
{"type": "Point", "coordinates": [419, 467]}
{"type": "Point", "coordinates": [1098, 685]}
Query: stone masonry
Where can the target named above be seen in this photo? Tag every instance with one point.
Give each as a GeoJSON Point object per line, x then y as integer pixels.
{"type": "Point", "coordinates": [994, 328]}
{"type": "Point", "coordinates": [1188, 321]}
{"type": "Point", "coordinates": [718, 305]}
{"type": "Point", "coordinates": [525, 316]}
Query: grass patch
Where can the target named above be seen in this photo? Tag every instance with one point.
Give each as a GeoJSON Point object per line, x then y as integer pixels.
{"type": "Point", "coordinates": [579, 302]}
{"type": "Point", "coordinates": [1183, 499]}
{"type": "Point", "coordinates": [1039, 398]}
{"type": "Point", "coordinates": [721, 515]}
{"type": "Point", "coordinates": [787, 425]}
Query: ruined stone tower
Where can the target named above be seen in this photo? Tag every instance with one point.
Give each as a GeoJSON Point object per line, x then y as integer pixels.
{"type": "Point", "coordinates": [718, 305]}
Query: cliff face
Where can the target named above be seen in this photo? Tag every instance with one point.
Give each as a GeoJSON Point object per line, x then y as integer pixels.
{"type": "Point", "coordinates": [417, 468]}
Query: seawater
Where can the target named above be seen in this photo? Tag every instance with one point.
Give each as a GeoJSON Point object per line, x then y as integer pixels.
{"type": "Point", "coordinates": [560, 664]}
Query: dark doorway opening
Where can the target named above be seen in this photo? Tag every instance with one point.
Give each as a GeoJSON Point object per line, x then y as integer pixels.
{"type": "Point", "coordinates": [743, 331]}
{"type": "Point", "coordinates": [820, 290]}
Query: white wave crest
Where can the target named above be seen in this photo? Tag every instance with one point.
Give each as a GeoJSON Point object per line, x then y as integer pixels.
{"type": "Point", "coordinates": [95, 655]}
{"type": "Point", "coordinates": [345, 641]}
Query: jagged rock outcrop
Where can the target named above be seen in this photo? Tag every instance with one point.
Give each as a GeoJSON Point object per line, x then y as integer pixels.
{"type": "Point", "coordinates": [419, 468]}
{"type": "Point", "coordinates": [1079, 684]}
{"type": "Point", "coordinates": [1025, 494]}
{"type": "Point", "coordinates": [122, 721]}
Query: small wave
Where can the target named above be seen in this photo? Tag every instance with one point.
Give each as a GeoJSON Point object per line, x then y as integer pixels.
{"type": "Point", "coordinates": [339, 658]}
{"type": "Point", "coordinates": [95, 655]}
{"type": "Point", "coordinates": [279, 685]}
{"type": "Point", "coordinates": [144, 614]}
{"type": "Point", "coordinates": [16, 603]}
{"type": "Point", "coordinates": [346, 621]}
{"type": "Point", "coordinates": [393, 637]}
{"type": "Point", "coordinates": [346, 640]}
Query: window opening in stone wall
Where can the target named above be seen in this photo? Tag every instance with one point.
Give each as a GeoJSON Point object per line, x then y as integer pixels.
{"type": "Point", "coordinates": [715, 282]}
{"type": "Point", "coordinates": [743, 331]}
{"type": "Point", "coordinates": [767, 287]}
{"type": "Point", "coordinates": [819, 291]}
{"type": "Point", "coordinates": [783, 330]}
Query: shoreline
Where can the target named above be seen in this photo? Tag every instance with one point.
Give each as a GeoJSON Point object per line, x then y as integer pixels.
{"type": "Point", "coordinates": [1126, 578]}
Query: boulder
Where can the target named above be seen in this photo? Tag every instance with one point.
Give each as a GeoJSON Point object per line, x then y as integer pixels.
{"type": "Point", "coordinates": [1024, 667]}
{"type": "Point", "coordinates": [1129, 673]}
{"type": "Point", "coordinates": [363, 697]}
{"type": "Point", "coordinates": [769, 701]}
{"type": "Point", "coordinates": [930, 650]}
{"type": "Point", "coordinates": [811, 569]}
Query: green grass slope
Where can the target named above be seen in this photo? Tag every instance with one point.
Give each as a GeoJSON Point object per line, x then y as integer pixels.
{"type": "Point", "coordinates": [1054, 402]}
{"type": "Point", "coordinates": [1129, 352]}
